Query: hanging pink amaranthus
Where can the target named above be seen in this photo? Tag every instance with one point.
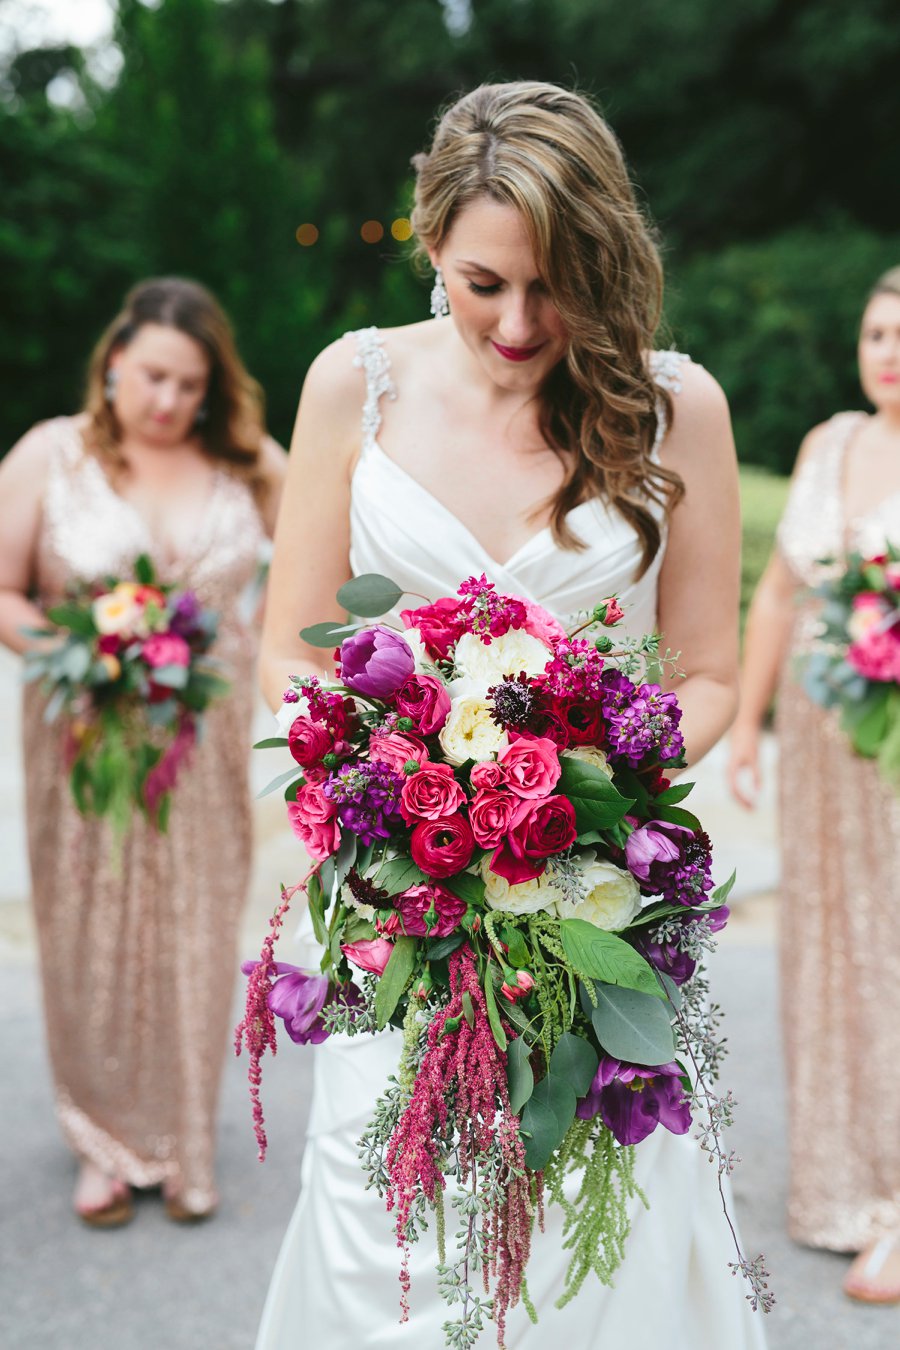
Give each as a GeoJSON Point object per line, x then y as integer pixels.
{"type": "Point", "coordinates": [463, 1065]}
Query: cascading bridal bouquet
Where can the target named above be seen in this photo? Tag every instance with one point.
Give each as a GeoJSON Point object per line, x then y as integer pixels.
{"type": "Point", "coordinates": [503, 872]}
{"type": "Point", "coordinates": [855, 665]}
{"type": "Point", "coordinates": [131, 672]}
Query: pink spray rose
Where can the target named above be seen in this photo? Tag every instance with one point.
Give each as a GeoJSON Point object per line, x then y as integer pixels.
{"type": "Point", "coordinates": [394, 749]}
{"type": "Point", "coordinates": [490, 814]}
{"type": "Point", "coordinates": [442, 847]}
{"type": "Point", "coordinates": [876, 655]}
{"type": "Point", "coordinates": [541, 624]}
{"type": "Point", "coordinates": [430, 911]}
{"type": "Point", "coordinates": [430, 794]}
{"type": "Point", "coordinates": [314, 821]}
{"type": "Point", "coordinates": [165, 649]}
{"type": "Point", "coordinates": [425, 700]}
{"type": "Point", "coordinates": [486, 774]}
{"type": "Point", "coordinates": [530, 766]}
{"type": "Point", "coordinates": [537, 830]}
{"type": "Point", "coordinates": [370, 954]}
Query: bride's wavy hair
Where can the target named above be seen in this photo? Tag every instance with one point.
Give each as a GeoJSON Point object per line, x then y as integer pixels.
{"type": "Point", "coordinates": [547, 152]}
{"type": "Point", "coordinates": [234, 424]}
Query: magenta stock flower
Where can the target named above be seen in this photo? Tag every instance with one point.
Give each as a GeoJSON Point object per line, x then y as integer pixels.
{"type": "Point", "coordinates": [376, 662]}
{"type": "Point", "coordinates": [633, 1100]}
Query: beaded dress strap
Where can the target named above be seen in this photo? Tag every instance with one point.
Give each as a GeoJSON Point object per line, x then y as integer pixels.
{"type": "Point", "coordinates": [374, 360]}
{"type": "Point", "coordinates": [665, 368]}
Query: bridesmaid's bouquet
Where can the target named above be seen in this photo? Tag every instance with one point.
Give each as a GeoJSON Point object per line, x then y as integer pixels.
{"type": "Point", "coordinates": [502, 871]}
{"type": "Point", "coordinates": [132, 674]}
{"type": "Point", "coordinates": [855, 666]}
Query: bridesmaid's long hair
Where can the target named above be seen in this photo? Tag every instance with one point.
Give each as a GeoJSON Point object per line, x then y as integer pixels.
{"type": "Point", "coordinates": [233, 426]}
{"type": "Point", "coordinates": [546, 151]}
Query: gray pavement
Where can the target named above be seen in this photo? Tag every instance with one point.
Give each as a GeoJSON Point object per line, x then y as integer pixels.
{"type": "Point", "coordinates": [157, 1286]}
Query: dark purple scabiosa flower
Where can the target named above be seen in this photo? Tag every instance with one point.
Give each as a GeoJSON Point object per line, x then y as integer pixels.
{"type": "Point", "coordinates": [367, 796]}
{"type": "Point", "coordinates": [486, 613]}
{"type": "Point", "coordinates": [298, 997]}
{"type": "Point", "coordinates": [641, 720]}
{"type": "Point", "coordinates": [633, 1100]}
{"type": "Point", "coordinates": [376, 661]}
{"type": "Point", "coordinates": [671, 861]}
{"type": "Point", "coordinates": [513, 702]}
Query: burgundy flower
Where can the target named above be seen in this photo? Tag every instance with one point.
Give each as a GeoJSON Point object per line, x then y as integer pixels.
{"type": "Point", "coordinates": [425, 701]}
{"type": "Point", "coordinates": [633, 1100]}
{"type": "Point", "coordinates": [442, 847]}
{"type": "Point", "coordinates": [430, 794]}
{"type": "Point", "coordinates": [441, 625]}
{"type": "Point", "coordinates": [376, 661]}
{"type": "Point", "coordinates": [430, 911]}
{"type": "Point", "coordinates": [582, 719]}
{"type": "Point", "coordinates": [309, 742]}
{"type": "Point", "coordinates": [670, 860]}
{"type": "Point", "coordinates": [537, 830]}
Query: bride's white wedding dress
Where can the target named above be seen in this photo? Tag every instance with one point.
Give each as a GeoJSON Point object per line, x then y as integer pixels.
{"type": "Point", "coordinates": [335, 1285]}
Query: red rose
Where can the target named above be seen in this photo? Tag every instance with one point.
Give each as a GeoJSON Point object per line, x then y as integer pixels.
{"type": "Point", "coordinates": [425, 700]}
{"type": "Point", "coordinates": [530, 766]}
{"type": "Point", "coordinates": [430, 911]}
{"type": "Point", "coordinates": [486, 774]}
{"type": "Point", "coordinates": [537, 830]}
{"type": "Point", "coordinates": [309, 742]}
{"type": "Point", "coordinates": [490, 815]}
{"type": "Point", "coordinates": [430, 794]}
{"type": "Point", "coordinates": [442, 847]}
{"type": "Point", "coordinates": [441, 625]}
{"type": "Point", "coordinates": [314, 821]}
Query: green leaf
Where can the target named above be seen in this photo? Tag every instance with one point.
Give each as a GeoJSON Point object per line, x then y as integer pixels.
{"type": "Point", "coordinates": [607, 957]}
{"type": "Point", "coordinates": [631, 1026]}
{"type": "Point", "coordinates": [271, 743]}
{"type": "Point", "coordinates": [73, 617]}
{"type": "Point", "coordinates": [143, 570]}
{"type": "Point", "coordinates": [467, 887]}
{"type": "Point", "coordinates": [316, 898]}
{"type": "Point", "coordinates": [369, 596]}
{"type": "Point", "coordinates": [397, 875]}
{"type": "Point", "coordinates": [490, 1001]}
{"type": "Point", "coordinates": [546, 1118]}
{"type": "Point", "coordinates": [866, 723]}
{"type": "Point", "coordinates": [438, 948]}
{"type": "Point", "coordinates": [675, 815]}
{"type": "Point", "coordinates": [171, 677]}
{"type": "Point", "coordinates": [345, 856]}
{"type": "Point", "coordinates": [597, 801]}
{"type": "Point", "coordinates": [328, 634]}
{"type": "Point", "coordinates": [676, 793]}
{"type": "Point", "coordinates": [295, 772]}
{"type": "Point", "coordinates": [721, 893]}
{"type": "Point", "coordinates": [518, 953]}
{"type": "Point", "coordinates": [575, 1060]}
{"type": "Point", "coordinates": [76, 660]}
{"type": "Point", "coordinates": [519, 1074]}
{"type": "Point", "coordinates": [393, 982]}
{"type": "Point", "coordinates": [468, 1008]}
{"type": "Point", "coordinates": [326, 873]}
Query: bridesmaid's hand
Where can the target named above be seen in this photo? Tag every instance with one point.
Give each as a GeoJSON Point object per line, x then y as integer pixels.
{"type": "Point", "coordinates": [743, 769]}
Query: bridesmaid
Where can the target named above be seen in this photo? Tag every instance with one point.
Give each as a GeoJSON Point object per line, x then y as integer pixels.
{"type": "Point", "coordinates": [840, 955]}
{"type": "Point", "coordinates": [169, 457]}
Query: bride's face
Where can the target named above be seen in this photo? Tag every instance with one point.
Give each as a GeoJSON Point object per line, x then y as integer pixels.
{"type": "Point", "coordinates": [498, 302]}
{"type": "Point", "coordinates": [879, 351]}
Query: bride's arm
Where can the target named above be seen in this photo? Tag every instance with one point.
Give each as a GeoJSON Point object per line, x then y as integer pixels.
{"type": "Point", "coordinates": [312, 537]}
{"type": "Point", "coordinates": [700, 579]}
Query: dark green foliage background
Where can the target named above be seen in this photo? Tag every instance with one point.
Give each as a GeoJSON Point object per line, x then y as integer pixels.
{"type": "Point", "coordinates": [762, 134]}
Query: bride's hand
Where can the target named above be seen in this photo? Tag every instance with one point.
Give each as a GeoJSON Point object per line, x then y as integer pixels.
{"type": "Point", "coordinates": [743, 770]}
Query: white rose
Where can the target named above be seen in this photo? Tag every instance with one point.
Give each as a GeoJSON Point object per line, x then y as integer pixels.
{"type": "Point", "coordinates": [118, 611]}
{"type": "Point", "coordinates": [613, 898]}
{"type": "Point", "coordinates": [515, 651]}
{"type": "Point", "coordinates": [470, 732]}
{"type": "Point", "coordinates": [590, 755]}
{"type": "Point", "coordinates": [525, 898]}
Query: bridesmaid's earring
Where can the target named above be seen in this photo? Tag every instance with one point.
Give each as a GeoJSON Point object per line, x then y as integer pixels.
{"type": "Point", "coordinates": [110, 385]}
{"type": "Point", "coordinates": [440, 306]}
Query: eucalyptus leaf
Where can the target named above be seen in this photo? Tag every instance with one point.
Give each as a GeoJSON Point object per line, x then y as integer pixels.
{"type": "Point", "coordinates": [271, 743]}
{"type": "Point", "coordinates": [519, 1074]}
{"type": "Point", "coordinates": [326, 872]}
{"type": "Point", "coordinates": [607, 957]}
{"type": "Point", "coordinates": [345, 856]}
{"type": "Point", "coordinates": [393, 982]}
{"type": "Point", "coordinates": [575, 1060]}
{"type": "Point", "coordinates": [171, 677]}
{"type": "Point", "coordinates": [295, 773]}
{"type": "Point", "coordinates": [369, 596]}
{"type": "Point", "coordinates": [328, 634]}
{"type": "Point", "coordinates": [553, 1100]}
{"type": "Point", "coordinates": [597, 801]}
{"type": "Point", "coordinates": [631, 1026]}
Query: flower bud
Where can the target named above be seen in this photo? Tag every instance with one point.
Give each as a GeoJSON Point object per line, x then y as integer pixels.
{"type": "Point", "coordinates": [411, 766]}
{"type": "Point", "coordinates": [405, 724]}
{"type": "Point", "coordinates": [422, 987]}
{"type": "Point", "coordinates": [525, 981]}
{"type": "Point", "coordinates": [290, 696]}
{"type": "Point", "coordinates": [330, 761]}
{"type": "Point", "coordinates": [603, 643]}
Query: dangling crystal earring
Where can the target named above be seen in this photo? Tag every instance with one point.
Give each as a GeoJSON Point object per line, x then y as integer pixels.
{"type": "Point", "coordinates": [110, 384]}
{"type": "Point", "coordinates": [440, 307]}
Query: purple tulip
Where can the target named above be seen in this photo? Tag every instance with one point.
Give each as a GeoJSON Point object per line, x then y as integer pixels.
{"type": "Point", "coordinates": [670, 860]}
{"type": "Point", "coordinates": [186, 616]}
{"type": "Point", "coordinates": [633, 1099]}
{"type": "Point", "coordinates": [376, 662]}
{"type": "Point", "coordinates": [298, 999]}
{"type": "Point", "coordinates": [668, 957]}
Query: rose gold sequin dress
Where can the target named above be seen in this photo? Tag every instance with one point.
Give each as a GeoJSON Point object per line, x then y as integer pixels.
{"type": "Point", "coordinates": [840, 936]}
{"type": "Point", "coordinates": [138, 958]}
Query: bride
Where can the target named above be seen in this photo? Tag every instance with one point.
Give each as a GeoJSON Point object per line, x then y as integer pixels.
{"type": "Point", "coordinates": [529, 432]}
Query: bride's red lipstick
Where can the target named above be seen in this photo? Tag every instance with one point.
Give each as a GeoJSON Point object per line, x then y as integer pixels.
{"type": "Point", "coordinates": [516, 353]}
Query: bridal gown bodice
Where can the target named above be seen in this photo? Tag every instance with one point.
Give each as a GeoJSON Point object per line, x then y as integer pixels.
{"type": "Point", "coordinates": [336, 1281]}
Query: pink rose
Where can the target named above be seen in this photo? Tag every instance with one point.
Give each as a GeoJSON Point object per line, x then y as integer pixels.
{"type": "Point", "coordinates": [892, 575]}
{"type": "Point", "coordinates": [537, 830]}
{"type": "Point", "coordinates": [430, 793]}
{"type": "Point", "coordinates": [490, 815]}
{"type": "Point", "coordinates": [441, 625]}
{"type": "Point", "coordinates": [314, 821]}
{"type": "Point", "coordinates": [394, 749]}
{"type": "Point", "coordinates": [165, 649]}
{"type": "Point", "coordinates": [486, 774]}
{"type": "Point", "coordinates": [370, 954]}
{"type": "Point", "coordinates": [609, 612]}
{"type": "Point", "coordinates": [876, 655]}
{"type": "Point", "coordinates": [425, 700]}
{"type": "Point", "coordinates": [442, 847]}
{"type": "Point", "coordinates": [430, 911]}
{"type": "Point", "coordinates": [530, 766]}
{"type": "Point", "coordinates": [309, 741]}
{"type": "Point", "coordinates": [541, 624]}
